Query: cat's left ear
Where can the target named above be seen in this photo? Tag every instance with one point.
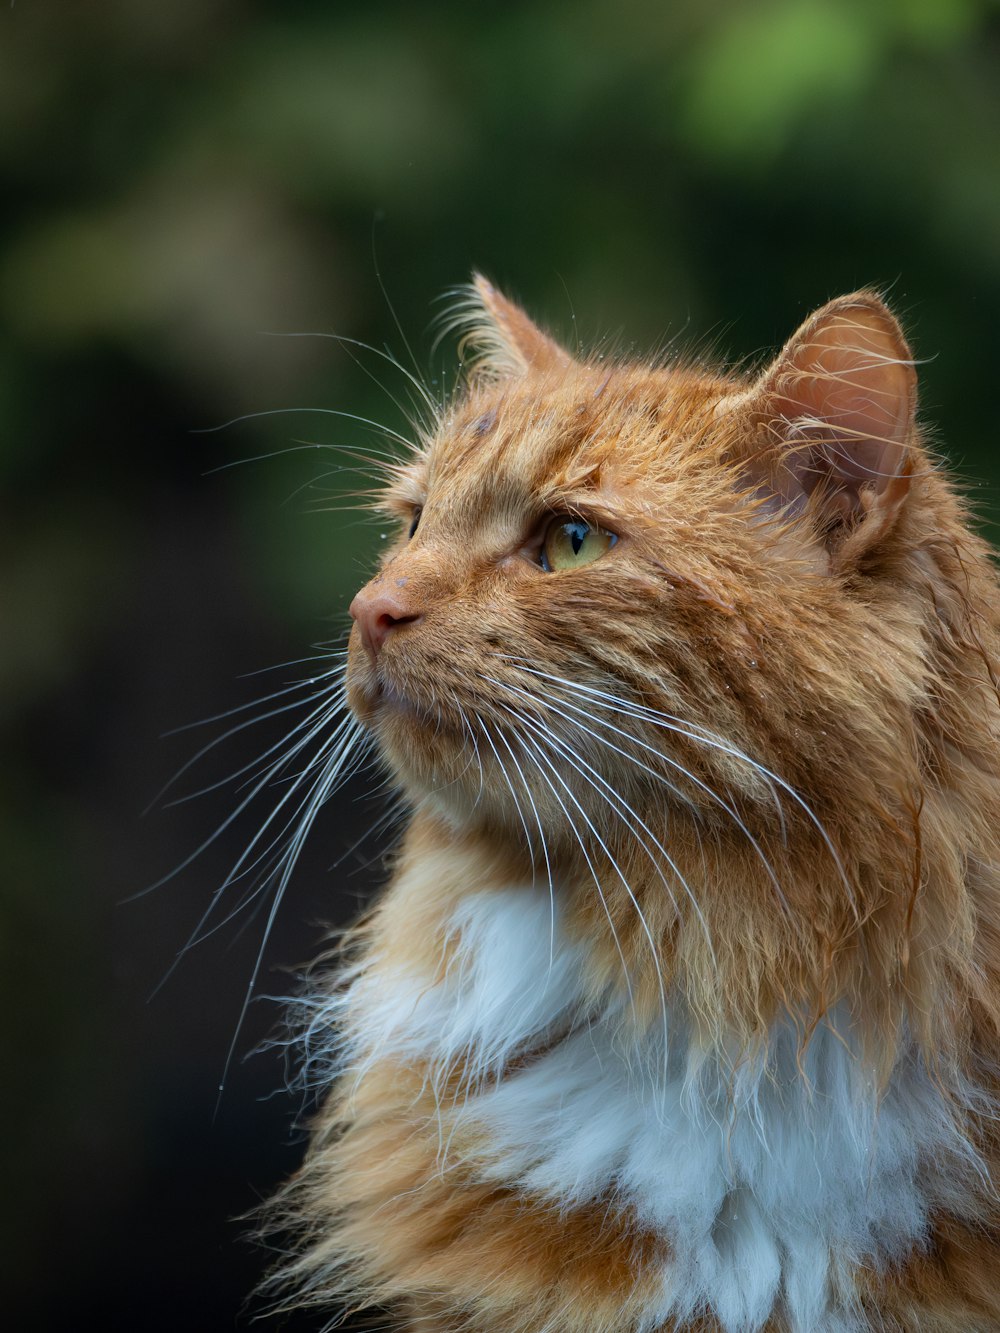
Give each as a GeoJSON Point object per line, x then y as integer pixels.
{"type": "Point", "coordinates": [502, 340]}
{"type": "Point", "coordinates": [839, 403]}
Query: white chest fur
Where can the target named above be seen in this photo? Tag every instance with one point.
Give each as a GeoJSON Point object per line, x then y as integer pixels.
{"type": "Point", "coordinates": [771, 1177]}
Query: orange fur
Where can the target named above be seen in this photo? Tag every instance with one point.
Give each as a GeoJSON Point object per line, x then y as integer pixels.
{"type": "Point", "coordinates": [795, 574]}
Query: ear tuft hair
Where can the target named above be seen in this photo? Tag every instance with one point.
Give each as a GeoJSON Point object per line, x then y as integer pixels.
{"type": "Point", "coordinates": [497, 340]}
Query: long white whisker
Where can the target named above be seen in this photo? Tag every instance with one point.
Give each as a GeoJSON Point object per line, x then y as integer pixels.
{"type": "Point", "coordinates": [307, 683]}
{"type": "Point", "coordinates": [467, 728]}
{"type": "Point", "coordinates": [630, 707]}
{"type": "Point", "coordinates": [384, 821]}
{"type": "Point", "coordinates": [322, 789]}
{"type": "Point", "coordinates": [292, 411]}
{"type": "Point", "coordinates": [349, 730]}
{"type": "Point", "coordinates": [414, 382]}
{"type": "Point", "coordinates": [513, 795]}
{"type": "Point", "coordinates": [328, 654]}
{"type": "Point", "coordinates": [618, 803]}
{"type": "Point", "coordinates": [258, 787]}
{"type": "Point", "coordinates": [552, 741]}
{"type": "Point", "coordinates": [693, 732]}
{"type": "Point", "coordinates": [667, 759]}
{"type": "Point", "coordinates": [713, 795]}
{"type": "Point", "coordinates": [322, 708]}
{"type": "Point", "coordinates": [329, 679]}
{"type": "Point", "coordinates": [545, 849]}
{"type": "Point", "coordinates": [586, 855]}
{"type": "Point", "coordinates": [342, 735]}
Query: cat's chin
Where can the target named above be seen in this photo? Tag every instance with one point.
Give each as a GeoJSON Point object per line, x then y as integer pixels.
{"type": "Point", "coordinates": [371, 700]}
{"type": "Point", "coordinates": [379, 705]}
{"type": "Point", "coordinates": [428, 753]}
{"type": "Point", "coordinates": [425, 746]}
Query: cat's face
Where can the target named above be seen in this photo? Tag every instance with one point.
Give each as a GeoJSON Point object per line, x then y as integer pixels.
{"type": "Point", "coordinates": [617, 591]}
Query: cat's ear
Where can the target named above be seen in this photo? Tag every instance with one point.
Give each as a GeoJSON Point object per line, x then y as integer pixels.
{"type": "Point", "coordinates": [499, 340]}
{"type": "Point", "coordinates": [838, 403]}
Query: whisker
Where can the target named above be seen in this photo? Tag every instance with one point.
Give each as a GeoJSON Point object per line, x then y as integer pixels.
{"type": "Point", "coordinates": [322, 790]}
{"type": "Point", "coordinates": [421, 388]}
{"type": "Point", "coordinates": [684, 727]}
{"type": "Point", "coordinates": [253, 763]}
{"type": "Point", "coordinates": [667, 759]}
{"type": "Point", "coordinates": [475, 745]}
{"type": "Point", "coordinates": [587, 858]}
{"type": "Point", "coordinates": [391, 308]}
{"type": "Point", "coordinates": [513, 794]}
{"type": "Point", "coordinates": [256, 703]}
{"type": "Point", "coordinates": [329, 652]}
{"type": "Point", "coordinates": [545, 849]}
{"type": "Point", "coordinates": [258, 786]}
{"type": "Point", "coordinates": [654, 951]}
{"type": "Point", "coordinates": [292, 411]}
{"type": "Point", "coordinates": [396, 808]}
{"type": "Point", "coordinates": [244, 866]}
{"type": "Point", "coordinates": [612, 796]}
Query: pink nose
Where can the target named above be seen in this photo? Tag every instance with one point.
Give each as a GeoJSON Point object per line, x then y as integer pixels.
{"type": "Point", "coordinates": [378, 611]}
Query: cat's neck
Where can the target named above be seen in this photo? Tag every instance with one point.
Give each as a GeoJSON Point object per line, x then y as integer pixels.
{"type": "Point", "coordinates": [698, 923]}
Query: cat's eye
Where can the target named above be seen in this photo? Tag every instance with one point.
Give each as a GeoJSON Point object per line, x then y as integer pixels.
{"type": "Point", "coordinates": [415, 521]}
{"type": "Point", "coordinates": [571, 542]}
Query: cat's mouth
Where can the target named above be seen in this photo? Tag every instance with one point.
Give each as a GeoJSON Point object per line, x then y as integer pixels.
{"type": "Point", "coordinates": [377, 702]}
{"type": "Point", "coordinates": [386, 698]}
{"type": "Point", "coordinates": [369, 695]}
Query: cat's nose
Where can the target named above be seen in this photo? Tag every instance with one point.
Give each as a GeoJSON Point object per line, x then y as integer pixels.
{"type": "Point", "coordinates": [378, 611]}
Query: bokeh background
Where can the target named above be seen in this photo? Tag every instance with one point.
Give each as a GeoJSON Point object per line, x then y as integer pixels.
{"type": "Point", "coordinates": [185, 184]}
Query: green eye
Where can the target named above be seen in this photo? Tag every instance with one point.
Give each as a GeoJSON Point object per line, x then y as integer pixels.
{"type": "Point", "coordinates": [571, 542]}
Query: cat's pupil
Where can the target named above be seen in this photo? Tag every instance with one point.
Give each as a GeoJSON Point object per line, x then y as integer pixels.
{"type": "Point", "coordinates": [572, 542]}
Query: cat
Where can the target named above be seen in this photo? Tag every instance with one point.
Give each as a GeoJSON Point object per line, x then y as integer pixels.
{"type": "Point", "coordinates": [681, 1009]}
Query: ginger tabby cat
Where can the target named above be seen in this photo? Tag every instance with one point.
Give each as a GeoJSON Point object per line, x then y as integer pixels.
{"type": "Point", "coordinates": [681, 1010]}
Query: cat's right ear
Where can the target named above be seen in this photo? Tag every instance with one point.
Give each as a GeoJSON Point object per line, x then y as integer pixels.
{"type": "Point", "coordinates": [498, 340]}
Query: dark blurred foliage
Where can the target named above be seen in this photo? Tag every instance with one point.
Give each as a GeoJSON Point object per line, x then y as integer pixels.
{"type": "Point", "coordinates": [183, 183]}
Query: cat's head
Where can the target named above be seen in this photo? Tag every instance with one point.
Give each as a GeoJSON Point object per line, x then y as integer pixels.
{"type": "Point", "coordinates": [724, 633]}
{"type": "Point", "coordinates": [593, 558]}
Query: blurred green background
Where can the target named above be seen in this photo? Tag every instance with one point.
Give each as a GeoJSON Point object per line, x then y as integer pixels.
{"type": "Point", "coordinates": [185, 183]}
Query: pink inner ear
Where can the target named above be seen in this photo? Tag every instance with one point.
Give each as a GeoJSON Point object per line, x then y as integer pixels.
{"type": "Point", "coordinates": [843, 391]}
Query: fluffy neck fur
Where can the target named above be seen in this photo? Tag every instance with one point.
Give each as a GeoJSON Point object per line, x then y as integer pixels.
{"type": "Point", "coordinates": [769, 1174]}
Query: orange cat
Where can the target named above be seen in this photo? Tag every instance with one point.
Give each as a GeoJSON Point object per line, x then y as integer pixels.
{"type": "Point", "coordinates": [681, 1009]}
